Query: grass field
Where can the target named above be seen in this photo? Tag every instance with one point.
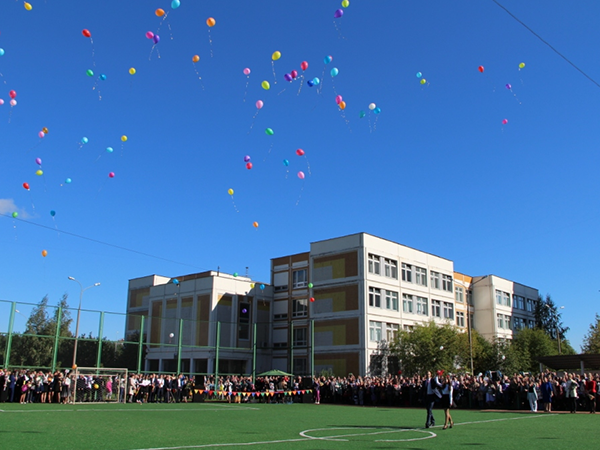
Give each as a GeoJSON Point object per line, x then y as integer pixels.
{"type": "Point", "coordinates": [283, 426]}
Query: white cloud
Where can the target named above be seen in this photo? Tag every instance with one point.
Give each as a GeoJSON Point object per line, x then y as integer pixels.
{"type": "Point", "coordinates": [7, 205]}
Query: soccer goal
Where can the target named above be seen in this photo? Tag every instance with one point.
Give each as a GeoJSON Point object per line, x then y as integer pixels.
{"type": "Point", "coordinates": [90, 384]}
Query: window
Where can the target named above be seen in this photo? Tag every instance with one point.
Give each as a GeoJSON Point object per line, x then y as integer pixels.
{"type": "Point", "coordinates": [435, 279]}
{"type": "Point", "coordinates": [436, 308]}
{"type": "Point", "coordinates": [299, 278]}
{"type": "Point", "coordinates": [498, 297]}
{"type": "Point", "coordinates": [507, 321]}
{"type": "Point", "coordinates": [448, 311]}
{"type": "Point", "coordinates": [299, 337]}
{"type": "Point", "coordinates": [407, 272]}
{"type": "Point", "coordinates": [459, 293]}
{"type": "Point", "coordinates": [470, 297]}
{"type": "Point", "coordinates": [391, 300]}
{"type": "Point", "coordinates": [447, 283]}
{"type": "Point", "coordinates": [422, 306]}
{"type": "Point", "coordinates": [530, 324]}
{"type": "Point", "coordinates": [407, 303]}
{"type": "Point", "coordinates": [500, 320]}
{"type": "Point", "coordinates": [300, 366]}
{"type": "Point", "coordinates": [390, 268]}
{"type": "Point", "coordinates": [244, 318]}
{"type": "Point", "coordinates": [421, 276]}
{"type": "Point", "coordinates": [506, 299]}
{"type": "Point", "coordinates": [409, 328]}
{"type": "Point", "coordinates": [391, 331]}
{"type": "Point", "coordinates": [530, 305]}
{"type": "Point", "coordinates": [460, 319]}
{"type": "Point", "coordinates": [374, 264]}
{"type": "Point", "coordinates": [375, 297]}
{"type": "Point", "coordinates": [518, 323]}
{"type": "Point", "coordinates": [374, 331]}
{"type": "Point", "coordinates": [519, 302]}
{"type": "Point", "coordinates": [299, 307]}
{"type": "Point", "coordinates": [280, 281]}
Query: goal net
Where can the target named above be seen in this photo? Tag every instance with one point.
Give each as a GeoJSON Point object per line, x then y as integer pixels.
{"type": "Point", "coordinates": [90, 384]}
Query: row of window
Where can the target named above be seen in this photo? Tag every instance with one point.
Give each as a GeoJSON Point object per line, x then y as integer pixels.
{"type": "Point", "coordinates": [299, 280]}
{"type": "Point", "coordinates": [412, 304]}
{"type": "Point", "coordinates": [518, 301]}
{"type": "Point", "coordinates": [516, 323]}
{"type": "Point", "coordinates": [376, 331]}
{"type": "Point", "coordinates": [410, 273]}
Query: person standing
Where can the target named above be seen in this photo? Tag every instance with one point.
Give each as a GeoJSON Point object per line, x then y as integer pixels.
{"type": "Point", "coordinates": [532, 396]}
{"type": "Point", "coordinates": [547, 393]}
{"type": "Point", "coordinates": [591, 387]}
{"type": "Point", "coordinates": [571, 387]}
{"type": "Point", "coordinates": [431, 389]}
{"type": "Point", "coordinates": [447, 394]}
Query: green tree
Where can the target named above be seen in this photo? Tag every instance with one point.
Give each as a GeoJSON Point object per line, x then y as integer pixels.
{"type": "Point", "coordinates": [530, 344]}
{"type": "Point", "coordinates": [548, 317]}
{"type": "Point", "coordinates": [591, 341]}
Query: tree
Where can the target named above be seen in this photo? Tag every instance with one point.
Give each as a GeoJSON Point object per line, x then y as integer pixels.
{"type": "Point", "coordinates": [591, 341]}
{"type": "Point", "coordinates": [548, 318]}
{"type": "Point", "coordinates": [530, 344]}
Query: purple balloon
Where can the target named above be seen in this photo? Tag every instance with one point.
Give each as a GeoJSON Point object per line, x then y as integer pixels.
{"type": "Point", "coordinates": [246, 158]}
{"type": "Point", "coordinates": [156, 38]}
{"type": "Point", "coordinates": [338, 13]}
{"type": "Point", "coordinates": [38, 161]}
{"type": "Point", "coordinates": [508, 86]}
{"type": "Point", "coordinates": [288, 77]}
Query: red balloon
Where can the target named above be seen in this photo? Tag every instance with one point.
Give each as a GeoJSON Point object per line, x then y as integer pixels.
{"type": "Point", "coordinates": [249, 165]}
{"type": "Point", "coordinates": [304, 65]}
{"type": "Point", "coordinates": [86, 33]}
{"type": "Point", "coordinates": [481, 69]}
{"type": "Point", "coordinates": [111, 175]}
{"type": "Point", "coordinates": [294, 73]}
{"type": "Point", "coordinates": [299, 152]}
{"type": "Point", "coordinates": [26, 186]}
{"type": "Point", "coordinates": [312, 299]}
{"type": "Point", "coordinates": [12, 94]}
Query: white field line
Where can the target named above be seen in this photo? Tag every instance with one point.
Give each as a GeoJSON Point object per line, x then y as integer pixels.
{"type": "Point", "coordinates": [214, 408]}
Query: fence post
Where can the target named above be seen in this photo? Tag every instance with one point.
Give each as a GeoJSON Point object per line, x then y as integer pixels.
{"type": "Point", "coordinates": [179, 340]}
{"type": "Point", "coordinates": [11, 321]}
{"type": "Point", "coordinates": [218, 342]}
{"type": "Point", "coordinates": [56, 336]}
{"type": "Point", "coordinates": [292, 348]}
{"type": "Point", "coordinates": [312, 347]}
{"type": "Point", "coordinates": [141, 346]}
{"type": "Point", "coordinates": [100, 331]}
{"type": "Point", "coordinates": [254, 353]}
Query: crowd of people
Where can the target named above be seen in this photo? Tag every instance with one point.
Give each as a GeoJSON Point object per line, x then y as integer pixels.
{"type": "Point", "coordinates": [548, 391]}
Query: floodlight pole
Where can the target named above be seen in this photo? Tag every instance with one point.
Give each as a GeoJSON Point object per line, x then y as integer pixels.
{"type": "Point", "coordinates": [82, 290]}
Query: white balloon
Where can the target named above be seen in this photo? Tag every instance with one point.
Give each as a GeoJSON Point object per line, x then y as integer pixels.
{"type": "Point", "coordinates": [372, 106]}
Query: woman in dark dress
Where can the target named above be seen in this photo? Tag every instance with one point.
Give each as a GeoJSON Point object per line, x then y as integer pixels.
{"type": "Point", "coordinates": [447, 391]}
{"type": "Point", "coordinates": [547, 394]}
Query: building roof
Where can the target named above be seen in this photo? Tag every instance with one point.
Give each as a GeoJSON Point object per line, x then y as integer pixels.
{"type": "Point", "coordinates": [590, 361]}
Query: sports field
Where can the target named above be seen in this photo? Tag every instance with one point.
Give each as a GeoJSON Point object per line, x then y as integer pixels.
{"type": "Point", "coordinates": [283, 426]}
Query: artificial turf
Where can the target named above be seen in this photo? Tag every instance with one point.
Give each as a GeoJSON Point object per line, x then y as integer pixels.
{"type": "Point", "coordinates": [278, 426]}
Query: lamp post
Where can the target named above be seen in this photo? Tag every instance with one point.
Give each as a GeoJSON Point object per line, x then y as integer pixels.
{"type": "Point", "coordinates": [82, 290]}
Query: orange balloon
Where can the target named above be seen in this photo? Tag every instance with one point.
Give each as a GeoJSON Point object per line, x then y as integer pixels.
{"type": "Point", "coordinates": [159, 12]}
{"type": "Point", "coordinates": [44, 253]}
{"type": "Point", "coordinates": [195, 58]}
{"type": "Point", "coordinates": [342, 104]}
{"type": "Point", "coordinates": [211, 22]}
{"type": "Point", "coordinates": [255, 224]}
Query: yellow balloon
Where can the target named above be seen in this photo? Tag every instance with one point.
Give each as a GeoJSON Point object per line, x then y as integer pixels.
{"type": "Point", "coordinates": [521, 65]}
{"type": "Point", "coordinates": [39, 173]}
{"type": "Point", "coordinates": [252, 285]}
{"type": "Point", "coordinates": [345, 3]}
{"type": "Point", "coordinates": [195, 58]}
{"type": "Point", "coordinates": [132, 71]}
{"type": "Point", "coordinates": [276, 55]}
{"type": "Point", "coordinates": [124, 138]}
{"type": "Point", "coordinates": [265, 85]}
{"type": "Point", "coordinates": [27, 6]}
{"type": "Point", "coordinates": [230, 191]}
{"type": "Point", "coordinates": [45, 130]}
{"type": "Point", "coordinates": [423, 81]}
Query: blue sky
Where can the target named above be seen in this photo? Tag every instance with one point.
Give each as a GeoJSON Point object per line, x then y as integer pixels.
{"type": "Point", "coordinates": [435, 170]}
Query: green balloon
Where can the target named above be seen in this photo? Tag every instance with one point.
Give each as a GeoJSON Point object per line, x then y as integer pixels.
{"type": "Point", "coordinates": [310, 285]}
{"type": "Point", "coordinates": [269, 131]}
{"type": "Point", "coordinates": [235, 274]}
{"type": "Point", "coordinates": [15, 215]}
{"type": "Point", "coordinates": [89, 73]}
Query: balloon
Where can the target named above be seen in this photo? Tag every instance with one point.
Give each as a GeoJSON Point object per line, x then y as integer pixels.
{"type": "Point", "coordinates": [132, 71]}
{"type": "Point", "coordinates": [45, 130]}
{"type": "Point", "coordinates": [301, 175]}
{"type": "Point", "coordinates": [334, 72]}
{"type": "Point", "coordinates": [372, 106]}
{"type": "Point", "coordinates": [312, 299]}
{"type": "Point", "coordinates": [310, 285]}
{"type": "Point", "coordinates": [300, 152]}
{"type": "Point", "coordinates": [159, 12]}
{"type": "Point", "coordinates": [176, 282]}
{"type": "Point", "coordinates": [28, 7]}
{"type": "Point", "coordinates": [311, 83]}
{"type": "Point", "coordinates": [419, 74]}
{"type": "Point", "coordinates": [211, 22]}
{"type": "Point", "coordinates": [175, 4]}
{"type": "Point", "coordinates": [508, 86]}
{"type": "Point", "coordinates": [262, 287]}
{"type": "Point", "coordinates": [505, 121]}
{"type": "Point", "coordinates": [111, 174]}
{"type": "Point", "coordinates": [26, 186]}
{"type": "Point", "coordinates": [86, 33]}
{"type": "Point", "coordinates": [195, 58]}
{"type": "Point", "coordinates": [89, 73]}
{"type": "Point", "coordinates": [38, 161]}
{"type": "Point", "coordinates": [149, 34]}
{"type": "Point", "coordinates": [269, 131]}
{"type": "Point", "coordinates": [377, 110]}
{"type": "Point", "coordinates": [102, 77]}
{"type": "Point", "coordinates": [255, 224]}
{"type": "Point", "coordinates": [13, 102]}
{"type": "Point", "coordinates": [338, 99]}
{"type": "Point", "coordinates": [246, 71]}
{"type": "Point", "coordinates": [246, 158]}
{"type": "Point", "coordinates": [481, 69]}
{"type": "Point", "coordinates": [276, 55]}
{"type": "Point", "coordinates": [41, 134]}
{"type": "Point", "coordinates": [1, 52]}
{"type": "Point", "coordinates": [286, 162]}
{"type": "Point", "coordinates": [68, 181]}
{"type": "Point", "coordinates": [52, 213]}
{"type": "Point", "coordinates": [230, 191]}
{"type": "Point", "coordinates": [328, 59]}
{"type": "Point", "coordinates": [235, 274]}
{"type": "Point", "coordinates": [294, 73]}
{"type": "Point", "coordinates": [109, 149]}
{"type": "Point", "coordinates": [316, 81]}
{"type": "Point", "coordinates": [12, 94]}
{"type": "Point", "coordinates": [259, 104]}
{"type": "Point", "coordinates": [345, 3]}
{"type": "Point", "coordinates": [304, 65]}
{"type": "Point", "coordinates": [423, 81]}
{"type": "Point", "coordinates": [15, 215]}
{"type": "Point", "coordinates": [156, 39]}
{"type": "Point", "coordinates": [39, 173]}
{"type": "Point", "coordinates": [84, 140]}
{"type": "Point", "coordinates": [1, 102]}
{"type": "Point", "coordinates": [44, 253]}
{"type": "Point", "coordinates": [249, 165]}
{"type": "Point", "coordinates": [288, 77]}
{"type": "Point", "coordinates": [252, 285]}
{"type": "Point", "coordinates": [362, 114]}
{"type": "Point", "coordinates": [522, 65]}
{"type": "Point", "coordinates": [265, 85]}
{"type": "Point", "coordinates": [124, 138]}
{"type": "Point", "coordinates": [342, 104]}
{"type": "Point", "coordinates": [338, 13]}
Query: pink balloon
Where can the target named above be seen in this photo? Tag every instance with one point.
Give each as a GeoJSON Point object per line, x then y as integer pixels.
{"type": "Point", "coordinates": [246, 71]}
{"type": "Point", "coordinates": [294, 73]}
{"type": "Point", "coordinates": [38, 161]}
{"type": "Point", "coordinates": [505, 121]}
{"type": "Point", "coordinates": [301, 175]}
{"type": "Point", "coordinates": [338, 99]}
{"type": "Point", "coordinates": [13, 102]}
{"type": "Point", "coordinates": [299, 152]}
{"type": "Point", "coordinates": [149, 34]}
{"type": "Point", "coordinates": [1, 102]}
{"type": "Point", "coordinates": [259, 104]}
{"type": "Point", "coordinates": [41, 134]}
{"type": "Point", "coordinates": [111, 175]}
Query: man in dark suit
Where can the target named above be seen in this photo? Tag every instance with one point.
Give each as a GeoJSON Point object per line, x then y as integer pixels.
{"type": "Point", "coordinates": [432, 391]}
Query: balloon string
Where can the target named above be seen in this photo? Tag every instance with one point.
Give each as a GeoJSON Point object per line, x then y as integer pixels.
{"type": "Point", "coordinates": [274, 76]}
{"type": "Point", "coordinates": [253, 119]}
{"type": "Point", "coordinates": [346, 120]}
{"type": "Point", "coordinates": [515, 96]}
{"type": "Point", "coordinates": [93, 53]}
{"type": "Point", "coordinates": [370, 129]}
{"type": "Point", "coordinates": [10, 114]}
{"type": "Point", "coordinates": [320, 88]}
{"type": "Point", "coordinates": [151, 51]}
{"type": "Point", "coordinates": [301, 84]}
{"type": "Point", "coordinates": [307, 165]}
{"type": "Point", "coordinates": [234, 206]}
{"type": "Point", "coordinates": [31, 198]}
{"type": "Point", "coordinates": [282, 91]}
{"type": "Point", "coordinates": [300, 194]}
{"type": "Point", "coordinates": [55, 226]}
{"type": "Point", "coordinates": [375, 123]}
{"type": "Point", "coordinates": [199, 77]}
{"type": "Point", "coordinates": [269, 152]}
{"type": "Point", "coordinates": [2, 78]}
{"type": "Point", "coordinates": [246, 88]}
{"type": "Point", "coordinates": [210, 43]}
{"type": "Point", "coordinates": [35, 146]}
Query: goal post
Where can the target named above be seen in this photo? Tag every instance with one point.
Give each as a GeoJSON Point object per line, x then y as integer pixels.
{"type": "Point", "coordinates": [105, 385]}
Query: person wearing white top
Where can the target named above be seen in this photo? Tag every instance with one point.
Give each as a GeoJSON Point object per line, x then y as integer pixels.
{"type": "Point", "coordinates": [447, 391]}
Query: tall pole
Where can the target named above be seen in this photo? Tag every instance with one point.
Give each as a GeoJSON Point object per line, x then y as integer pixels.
{"type": "Point", "coordinates": [11, 321]}
{"type": "Point", "coordinates": [81, 291]}
{"type": "Point", "coordinates": [141, 346]}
